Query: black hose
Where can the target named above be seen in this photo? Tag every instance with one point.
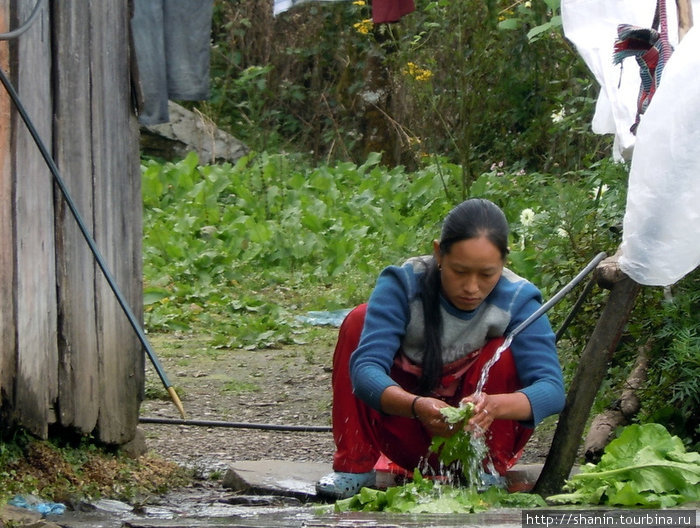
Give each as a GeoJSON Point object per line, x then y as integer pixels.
{"type": "Point", "coordinates": [577, 306]}
{"type": "Point", "coordinates": [24, 27]}
{"type": "Point", "coordinates": [238, 425]}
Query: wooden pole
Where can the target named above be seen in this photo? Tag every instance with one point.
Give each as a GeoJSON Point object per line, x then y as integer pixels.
{"type": "Point", "coordinates": [685, 17]}
{"type": "Point", "coordinates": [592, 369]}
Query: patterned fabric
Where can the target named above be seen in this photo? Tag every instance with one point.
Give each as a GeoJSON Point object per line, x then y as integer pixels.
{"type": "Point", "coordinates": [651, 49]}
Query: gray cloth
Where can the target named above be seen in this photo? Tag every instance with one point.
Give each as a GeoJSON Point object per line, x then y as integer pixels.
{"type": "Point", "coordinates": [280, 6]}
{"type": "Point", "coordinates": [172, 44]}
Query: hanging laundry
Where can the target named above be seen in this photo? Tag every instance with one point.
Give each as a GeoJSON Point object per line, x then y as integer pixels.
{"type": "Point", "coordinates": [651, 48]}
{"type": "Point", "coordinates": [383, 11]}
{"type": "Point", "coordinates": [661, 227]}
{"type": "Point", "coordinates": [591, 25]}
{"type": "Point", "coordinates": [172, 40]}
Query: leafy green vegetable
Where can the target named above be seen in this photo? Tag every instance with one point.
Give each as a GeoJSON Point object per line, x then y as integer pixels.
{"type": "Point", "coordinates": [423, 495]}
{"type": "Point", "coordinates": [462, 449]}
{"type": "Point", "coordinates": [644, 466]}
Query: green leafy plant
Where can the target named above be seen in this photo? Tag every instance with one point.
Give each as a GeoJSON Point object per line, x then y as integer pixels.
{"type": "Point", "coordinates": [644, 466]}
{"type": "Point", "coordinates": [423, 495]}
{"type": "Point", "coordinates": [672, 394]}
{"type": "Point", "coordinates": [463, 448]}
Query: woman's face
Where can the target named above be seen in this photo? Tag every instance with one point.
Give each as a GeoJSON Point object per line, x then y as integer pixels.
{"type": "Point", "coordinates": [470, 271]}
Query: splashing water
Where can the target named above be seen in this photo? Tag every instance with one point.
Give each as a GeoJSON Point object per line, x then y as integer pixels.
{"type": "Point", "coordinates": [490, 363]}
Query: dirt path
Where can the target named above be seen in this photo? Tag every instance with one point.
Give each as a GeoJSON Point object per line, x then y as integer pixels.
{"type": "Point", "coordinates": [289, 386]}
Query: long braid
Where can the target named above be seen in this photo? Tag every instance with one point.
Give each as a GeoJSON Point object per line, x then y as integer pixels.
{"type": "Point", "coordinates": [432, 318]}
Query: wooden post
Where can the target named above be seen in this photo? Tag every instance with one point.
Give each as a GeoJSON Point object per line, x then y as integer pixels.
{"type": "Point", "coordinates": [118, 219]}
{"type": "Point", "coordinates": [685, 17]}
{"type": "Point", "coordinates": [7, 310]}
{"type": "Point", "coordinates": [592, 369]}
{"type": "Point", "coordinates": [78, 350]}
{"type": "Point", "coordinates": [36, 380]}
{"type": "Point", "coordinates": [68, 354]}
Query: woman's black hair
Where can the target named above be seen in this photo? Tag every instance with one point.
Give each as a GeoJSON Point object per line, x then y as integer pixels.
{"type": "Point", "coordinates": [472, 218]}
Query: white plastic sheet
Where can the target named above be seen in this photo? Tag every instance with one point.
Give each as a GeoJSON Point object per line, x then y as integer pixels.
{"type": "Point", "coordinates": [592, 26]}
{"type": "Point", "coordinates": [661, 229]}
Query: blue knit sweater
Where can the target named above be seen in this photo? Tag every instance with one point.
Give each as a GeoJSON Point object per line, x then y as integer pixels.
{"type": "Point", "coordinates": [394, 322]}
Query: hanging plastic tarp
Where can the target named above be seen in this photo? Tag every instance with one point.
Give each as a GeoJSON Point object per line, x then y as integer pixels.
{"type": "Point", "coordinates": [661, 229]}
{"type": "Point", "coordinates": [592, 26]}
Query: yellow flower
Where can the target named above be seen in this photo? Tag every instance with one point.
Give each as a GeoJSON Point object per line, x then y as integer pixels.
{"type": "Point", "coordinates": [364, 26]}
{"type": "Point", "coordinates": [359, 2]}
{"type": "Point", "coordinates": [418, 73]}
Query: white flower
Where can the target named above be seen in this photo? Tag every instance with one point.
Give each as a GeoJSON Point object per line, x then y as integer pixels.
{"type": "Point", "coordinates": [602, 189]}
{"type": "Point", "coordinates": [558, 117]}
{"type": "Point", "coordinates": [527, 217]}
{"type": "Point", "coordinates": [528, 4]}
{"type": "Point", "coordinates": [562, 232]}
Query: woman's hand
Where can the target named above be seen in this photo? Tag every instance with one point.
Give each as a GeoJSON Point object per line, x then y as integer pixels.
{"type": "Point", "coordinates": [484, 411]}
{"type": "Point", "coordinates": [490, 407]}
{"type": "Point", "coordinates": [427, 411]}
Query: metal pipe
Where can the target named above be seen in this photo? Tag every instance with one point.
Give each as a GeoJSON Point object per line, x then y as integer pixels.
{"type": "Point", "coordinates": [90, 241]}
{"type": "Point", "coordinates": [557, 297]}
{"type": "Point", "coordinates": [238, 425]}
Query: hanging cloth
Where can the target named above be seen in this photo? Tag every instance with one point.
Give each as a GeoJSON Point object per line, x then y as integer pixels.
{"type": "Point", "coordinates": [651, 48]}
{"type": "Point", "coordinates": [172, 44]}
{"type": "Point", "coordinates": [383, 11]}
{"type": "Point", "coordinates": [661, 227]}
{"type": "Point", "coordinates": [387, 11]}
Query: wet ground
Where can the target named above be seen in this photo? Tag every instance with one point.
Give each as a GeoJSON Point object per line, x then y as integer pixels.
{"type": "Point", "coordinates": [280, 494]}
{"type": "Point", "coordinates": [203, 510]}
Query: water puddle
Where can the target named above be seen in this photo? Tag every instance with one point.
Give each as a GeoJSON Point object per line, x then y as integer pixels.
{"type": "Point", "coordinates": [218, 508]}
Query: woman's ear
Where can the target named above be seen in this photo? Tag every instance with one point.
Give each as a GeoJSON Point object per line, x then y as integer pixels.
{"type": "Point", "coordinates": [436, 251]}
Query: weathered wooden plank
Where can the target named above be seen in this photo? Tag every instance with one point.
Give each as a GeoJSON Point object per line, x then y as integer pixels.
{"type": "Point", "coordinates": [118, 213]}
{"type": "Point", "coordinates": [7, 261]}
{"type": "Point", "coordinates": [36, 378]}
{"type": "Point", "coordinates": [77, 338]}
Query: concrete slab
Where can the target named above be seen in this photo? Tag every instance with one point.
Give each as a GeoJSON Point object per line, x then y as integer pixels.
{"type": "Point", "coordinates": [282, 477]}
{"type": "Point", "coordinates": [298, 479]}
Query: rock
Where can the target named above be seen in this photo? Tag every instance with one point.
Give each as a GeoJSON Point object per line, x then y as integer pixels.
{"type": "Point", "coordinates": [137, 446]}
{"type": "Point", "coordinates": [189, 131]}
